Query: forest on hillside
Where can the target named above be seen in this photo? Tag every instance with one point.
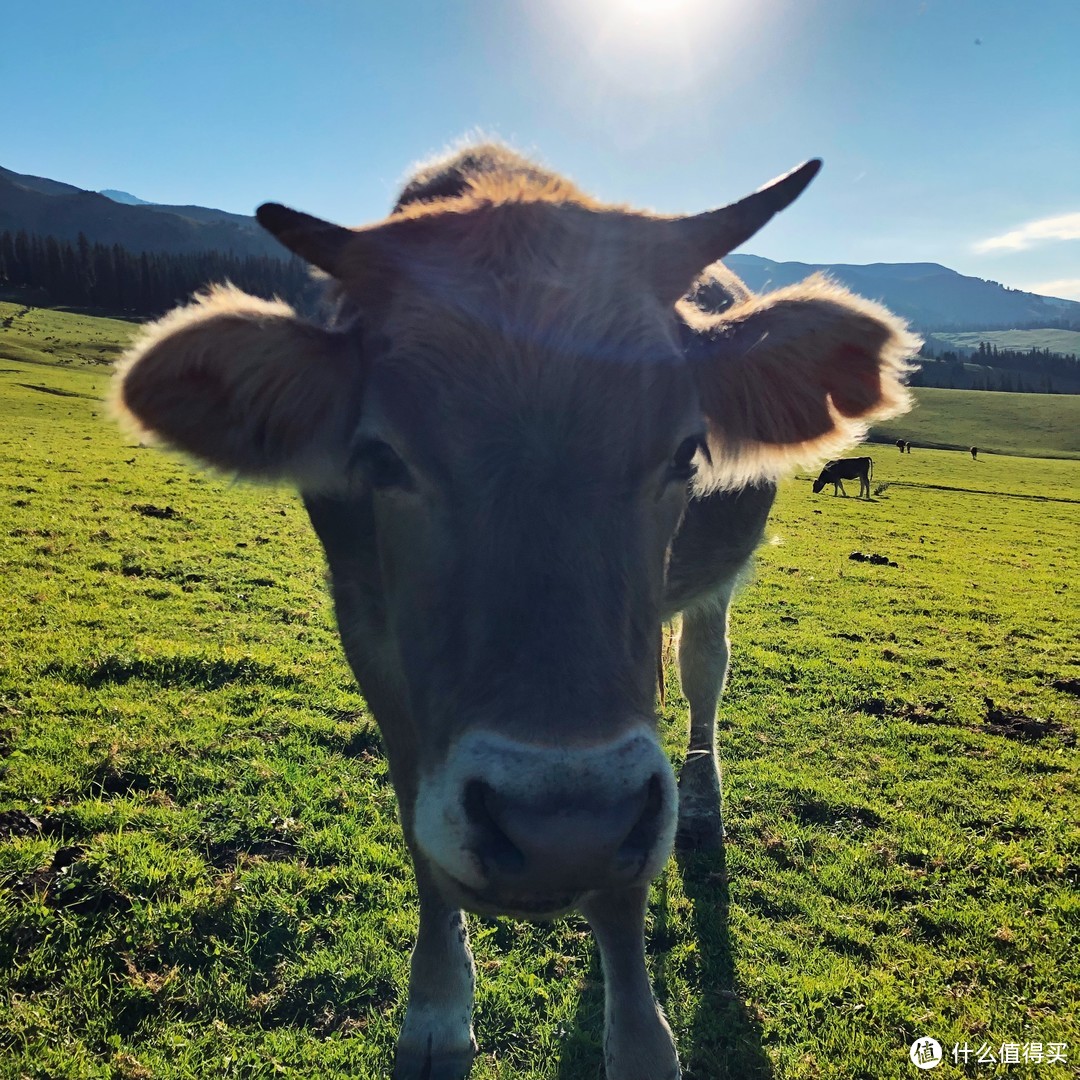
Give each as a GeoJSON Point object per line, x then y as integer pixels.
{"type": "Point", "coordinates": [1022, 371]}
{"type": "Point", "coordinates": [110, 279]}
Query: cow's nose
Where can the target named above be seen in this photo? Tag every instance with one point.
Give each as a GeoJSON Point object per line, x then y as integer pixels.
{"type": "Point", "coordinates": [512, 820]}
{"type": "Point", "coordinates": [525, 845]}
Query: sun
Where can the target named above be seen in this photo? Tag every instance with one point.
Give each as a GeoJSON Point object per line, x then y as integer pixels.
{"type": "Point", "coordinates": [655, 12]}
{"type": "Point", "coordinates": [649, 51]}
{"type": "Point", "coordinates": [645, 48]}
{"type": "Point", "coordinates": [658, 20]}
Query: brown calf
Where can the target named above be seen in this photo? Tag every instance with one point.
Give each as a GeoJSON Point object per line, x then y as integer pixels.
{"type": "Point", "coordinates": [523, 449]}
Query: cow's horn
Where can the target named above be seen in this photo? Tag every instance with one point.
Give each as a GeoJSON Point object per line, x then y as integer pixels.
{"type": "Point", "coordinates": [704, 238]}
{"type": "Point", "coordinates": [319, 242]}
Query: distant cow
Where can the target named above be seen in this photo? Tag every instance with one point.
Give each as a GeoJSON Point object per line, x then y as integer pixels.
{"type": "Point", "coordinates": [907, 447]}
{"type": "Point", "coordinates": [900, 444]}
{"type": "Point", "coordinates": [974, 453]}
{"type": "Point", "coordinates": [836, 472]}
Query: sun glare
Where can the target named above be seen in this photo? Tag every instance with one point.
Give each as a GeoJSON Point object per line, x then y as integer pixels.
{"type": "Point", "coordinates": [650, 48]}
{"type": "Point", "coordinates": [656, 24]}
{"type": "Point", "coordinates": [654, 13]}
{"type": "Point", "coordinates": [636, 60]}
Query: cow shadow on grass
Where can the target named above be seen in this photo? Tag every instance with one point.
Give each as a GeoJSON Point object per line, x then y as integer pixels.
{"type": "Point", "coordinates": [723, 1040]}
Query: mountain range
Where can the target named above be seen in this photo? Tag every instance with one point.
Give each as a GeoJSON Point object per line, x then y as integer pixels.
{"type": "Point", "coordinates": [930, 296]}
{"type": "Point", "coordinates": [52, 208]}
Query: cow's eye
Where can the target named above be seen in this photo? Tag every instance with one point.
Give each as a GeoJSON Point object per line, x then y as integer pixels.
{"type": "Point", "coordinates": [682, 465]}
{"type": "Point", "coordinates": [383, 466]}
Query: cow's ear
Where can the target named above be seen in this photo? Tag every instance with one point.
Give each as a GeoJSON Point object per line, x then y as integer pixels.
{"type": "Point", "coordinates": [245, 385]}
{"type": "Point", "coordinates": [794, 376]}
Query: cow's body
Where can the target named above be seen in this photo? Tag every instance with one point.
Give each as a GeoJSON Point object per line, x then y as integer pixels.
{"type": "Point", "coordinates": [974, 453]}
{"type": "Point", "coordinates": [836, 472]}
{"type": "Point", "coordinates": [497, 443]}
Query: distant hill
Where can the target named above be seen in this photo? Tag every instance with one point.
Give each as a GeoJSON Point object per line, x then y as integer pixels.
{"type": "Point", "coordinates": [39, 184]}
{"type": "Point", "coordinates": [1028, 361]}
{"type": "Point", "coordinates": [1031, 425]}
{"type": "Point", "coordinates": [124, 197]}
{"type": "Point", "coordinates": [930, 296]}
{"type": "Point", "coordinates": [967, 342]}
{"type": "Point", "coordinates": [51, 208]}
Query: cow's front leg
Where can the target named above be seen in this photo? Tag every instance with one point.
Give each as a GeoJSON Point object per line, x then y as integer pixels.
{"type": "Point", "coordinates": [703, 662]}
{"type": "Point", "coordinates": [637, 1040]}
{"type": "Point", "coordinates": [436, 1040]}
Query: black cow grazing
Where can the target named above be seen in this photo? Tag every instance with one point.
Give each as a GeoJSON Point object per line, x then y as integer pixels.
{"type": "Point", "coordinates": [836, 472]}
{"type": "Point", "coordinates": [974, 453]}
{"type": "Point", "coordinates": [900, 444]}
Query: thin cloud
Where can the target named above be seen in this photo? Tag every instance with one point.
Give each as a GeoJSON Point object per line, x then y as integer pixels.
{"type": "Point", "coordinates": [1062, 227]}
{"type": "Point", "coordinates": [1065, 288]}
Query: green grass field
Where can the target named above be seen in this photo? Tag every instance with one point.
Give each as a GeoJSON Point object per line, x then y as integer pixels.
{"type": "Point", "coordinates": [1028, 425]}
{"type": "Point", "coordinates": [201, 874]}
{"type": "Point", "coordinates": [1061, 341]}
{"type": "Point", "coordinates": [44, 336]}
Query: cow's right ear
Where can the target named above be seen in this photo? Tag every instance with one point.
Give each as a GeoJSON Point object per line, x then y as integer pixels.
{"type": "Point", "coordinates": [793, 377]}
{"type": "Point", "coordinates": [247, 386]}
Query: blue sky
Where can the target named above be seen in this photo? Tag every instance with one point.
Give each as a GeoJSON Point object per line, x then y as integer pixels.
{"type": "Point", "coordinates": [950, 129]}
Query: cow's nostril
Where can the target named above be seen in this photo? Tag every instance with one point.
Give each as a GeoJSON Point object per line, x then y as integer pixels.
{"type": "Point", "coordinates": [641, 839]}
{"type": "Point", "coordinates": [494, 848]}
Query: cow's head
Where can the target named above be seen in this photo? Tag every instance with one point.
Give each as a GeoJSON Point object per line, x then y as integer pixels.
{"type": "Point", "coordinates": [518, 399]}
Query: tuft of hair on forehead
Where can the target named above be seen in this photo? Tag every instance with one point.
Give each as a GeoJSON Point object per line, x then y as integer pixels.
{"type": "Point", "coordinates": [486, 173]}
{"type": "Point", "coordinates": [488, 237]}
{"type": "Point", "coordinates": [487, 220]}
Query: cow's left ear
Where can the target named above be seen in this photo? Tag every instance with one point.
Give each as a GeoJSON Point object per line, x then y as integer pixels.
{"type": "Point", "coordinates": [246, 386]}
{"type": "Point", "coordinates": [794, 376]}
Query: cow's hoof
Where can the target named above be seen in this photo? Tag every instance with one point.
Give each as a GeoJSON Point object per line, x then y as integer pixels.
{"type": "Point", "coordinates": [412, 1064]}
{"type": "Point", "coordinates": [700, 834]}
{"type": "Point", "coordinates": [672, 1073]}
{"type": "Point", "coordinates": [647, 1052]}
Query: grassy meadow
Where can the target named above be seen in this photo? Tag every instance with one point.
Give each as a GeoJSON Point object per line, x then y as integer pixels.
{"type": "Point", "coordinates": [1028, 425]}
{"type": "Point", "coordinates": [34, 335]}
{"type": "Point", "coordinates": [201, 874]}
